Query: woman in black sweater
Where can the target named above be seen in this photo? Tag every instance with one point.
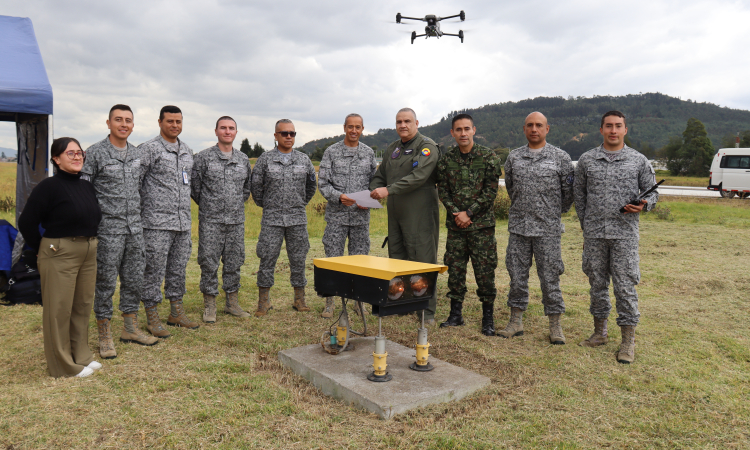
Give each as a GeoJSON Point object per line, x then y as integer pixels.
{"type": "Point", "coordinates": [66, 207]}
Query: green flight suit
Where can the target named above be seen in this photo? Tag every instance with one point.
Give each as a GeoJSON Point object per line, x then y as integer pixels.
{"type": "Point", "coordinates": [408, 171]}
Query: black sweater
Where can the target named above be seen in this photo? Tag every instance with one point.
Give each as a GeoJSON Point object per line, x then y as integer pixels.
{"type": "Point", "coordinates": [64, 205]}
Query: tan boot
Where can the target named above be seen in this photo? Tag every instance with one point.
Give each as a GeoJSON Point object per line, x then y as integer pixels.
{"type": "Point", "coordinates": [299, 300]}
{"type": "Point", "coordinates": [328, 310]}
{"type": "Point", "coordinates": [600, 334]}
{"type": "Point", "coordinates": [626, 355]}
{"type": "Point", "coordinates": [233, 305]}
{"type": "Point", "coordinates": [556, 335]}
{"type": "Point", "coordinates": [264, 301]}
{"type": "Point", "coordinates": [209, 308]}
{"type": "Point", "coordinates": [178, 318]}
{"type": "Point", "coordinates": [153, 323]}
{"type": "Point", "coordinates": [131, 332]}
{"type": "Point", "coordinates": [106, 346]}
{"type": "Point", "coordinates": [515, 324]}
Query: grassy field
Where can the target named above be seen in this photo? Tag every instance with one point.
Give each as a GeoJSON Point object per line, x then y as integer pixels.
{"type": "Point", "coordinates": [222, 386]}
{"type": "Point", "coordinates": [680, 180]}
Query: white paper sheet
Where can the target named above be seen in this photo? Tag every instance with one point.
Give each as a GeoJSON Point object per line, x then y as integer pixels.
{"type": "Point", "coordinates": [363, 199]}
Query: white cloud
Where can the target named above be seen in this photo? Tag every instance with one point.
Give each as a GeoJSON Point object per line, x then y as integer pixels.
{"type": "Point", "coordinates": [315, 62]}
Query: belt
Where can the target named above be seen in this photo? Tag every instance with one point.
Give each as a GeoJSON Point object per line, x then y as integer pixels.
{"type": "Point", "coordinates": [80, 238]}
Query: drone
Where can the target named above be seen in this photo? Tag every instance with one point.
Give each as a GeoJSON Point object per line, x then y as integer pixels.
{"type": "Point", "coordinates": [433, 26]}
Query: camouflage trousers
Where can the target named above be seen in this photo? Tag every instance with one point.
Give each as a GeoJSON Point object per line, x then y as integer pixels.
{"type": "Point", "coordinates": [334, 239]}
{"type": "Point", "coordinates": [269, 248]}
{"type": "Point", "coordinates": [167, 255]}
{"type": "Point", "coordinates": [220, 242]}
{"type": "Point", "coordinates": [545, 250]}
{"type": "Point", "coordinates": [616, 258]}
{"type": "Point", "coordinates": [481, 247]}
{"type": "Point", "coordinates": [118, 254]}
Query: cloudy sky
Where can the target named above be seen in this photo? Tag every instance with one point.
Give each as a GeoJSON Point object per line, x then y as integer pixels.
{"type": "Point", "coordinates": [315, 62]}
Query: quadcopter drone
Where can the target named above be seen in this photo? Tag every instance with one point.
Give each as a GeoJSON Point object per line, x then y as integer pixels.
{"type": "Point", "coordinates": [433, 26]}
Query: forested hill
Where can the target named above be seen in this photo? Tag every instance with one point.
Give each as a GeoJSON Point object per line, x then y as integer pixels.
{"type": "Point", "coordinates": [574, 122]}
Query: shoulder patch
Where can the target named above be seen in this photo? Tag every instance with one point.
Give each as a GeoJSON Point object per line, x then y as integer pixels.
{"type": "Point", "coordinates": [570, 179]}
{"type": "Point", "coordinates": [425, 151]}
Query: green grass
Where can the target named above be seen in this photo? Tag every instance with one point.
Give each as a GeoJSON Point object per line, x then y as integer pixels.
{"type": "Point", "coordinates": [680, 180]}
{"type": "Point", "coordinates": [221, 386]}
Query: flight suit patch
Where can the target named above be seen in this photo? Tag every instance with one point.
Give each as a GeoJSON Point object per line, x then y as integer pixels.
{"type": "Point", "coordinates": [425, 152]}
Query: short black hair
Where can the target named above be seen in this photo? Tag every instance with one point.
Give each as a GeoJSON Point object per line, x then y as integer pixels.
{"type": "Point", "coordinates": [225, 118]}
{"type": "Point", "coordinates": [458, 117]}
{"type": "Point", "coordinates": [59, 145]}
{"type": "Point", "coordinates": [121, 108]}
{"type": "Point", "coordinates": [169, 109]}
{"type": "Point", "coordinates": [616, 114]}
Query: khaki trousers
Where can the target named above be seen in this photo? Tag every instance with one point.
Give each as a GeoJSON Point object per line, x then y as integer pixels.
{"type": "Point", "coordinates": [68, 275]}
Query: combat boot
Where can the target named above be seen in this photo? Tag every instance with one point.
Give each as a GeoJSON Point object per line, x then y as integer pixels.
{"type": "Point", "coordinates": [106, 346]}
{"type": "Point", "coordinates": [178, 318]}
{"type": "Point", "coordinates": [626, 355]}
{"type": "Point", "coordinates": [515, 324]}
{"type": "Point", "coordinates": [153, 323]}
{"type": "Point", "coordinates": [328, 310]}
{"type": "Point", "coordinates": [455, 319]}
{"type": "Point", "coordinates": [264, 301]}
{"type": "Point", "coordinates": [600, 334]}
{"type": "Point", "coordinates": [299, 300]}
{"type": "Point", "coordinates": [233, 305]}
{"type": "Point", "coordinates": [209, 308]}
{"type": "Point", "coordinates": [556, 335]}
{"type": "Point", "coordinates": [488, 318]}
{"type": "Point", "coordinates": [131, 332]}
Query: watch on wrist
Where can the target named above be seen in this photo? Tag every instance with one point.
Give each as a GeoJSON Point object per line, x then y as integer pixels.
{"type": "Point", "coordinates": [469, 213]}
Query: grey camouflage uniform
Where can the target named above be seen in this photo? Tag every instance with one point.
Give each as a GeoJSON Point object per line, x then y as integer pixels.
{"type": "Point", "coordinates": [540, 187]}
{"type": "Point", "coordinates": [220, 185]}
{"type": "Point", "coordinates": [283, 187]}
{"type": "Point", "coordinates": [610, 238]}
{"type": "Point", "coordinates": [346, 170]}
{"type": "Point", "coordinates": [165, 212]}
{"type": "Point", "coordinates": [115, 175]}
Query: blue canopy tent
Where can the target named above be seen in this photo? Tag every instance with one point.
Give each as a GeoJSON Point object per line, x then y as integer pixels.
{"type": "Point", "coordinates": [26, 99]}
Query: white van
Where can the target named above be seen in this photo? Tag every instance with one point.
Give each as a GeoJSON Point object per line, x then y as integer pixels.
{"type": "Point", "coordinates": [730, 172]}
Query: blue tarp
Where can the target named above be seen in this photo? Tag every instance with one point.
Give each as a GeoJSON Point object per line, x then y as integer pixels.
{"type": "Point", "coordinates": [24, 86]}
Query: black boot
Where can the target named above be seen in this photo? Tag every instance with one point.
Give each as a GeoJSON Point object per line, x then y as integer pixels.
{"type": "Point", "coordinates": [488, 321]}
{"type": "Point", "coordinates": [454, 318]}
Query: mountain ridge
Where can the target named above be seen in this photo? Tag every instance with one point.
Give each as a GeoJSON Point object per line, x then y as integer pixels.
{"type": "Point", "coordinates": [574, 122]}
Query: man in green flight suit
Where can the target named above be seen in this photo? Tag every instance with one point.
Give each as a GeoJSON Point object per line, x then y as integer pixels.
{"type": "Point", "coordinates": [407, 178]}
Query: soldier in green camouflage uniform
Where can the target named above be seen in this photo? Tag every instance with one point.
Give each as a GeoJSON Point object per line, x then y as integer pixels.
{"type": "Point", "coordinates": [467, 185]}
{"type": "Point", "coordinates": [407, 178]}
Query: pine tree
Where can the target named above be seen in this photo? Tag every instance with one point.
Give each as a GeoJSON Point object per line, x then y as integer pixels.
{"type": "Point", "coordinates": [245, 148]}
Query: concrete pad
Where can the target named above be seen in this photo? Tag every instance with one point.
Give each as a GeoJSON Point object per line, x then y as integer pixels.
{"type": "Point", "coordinates": [344, 377]}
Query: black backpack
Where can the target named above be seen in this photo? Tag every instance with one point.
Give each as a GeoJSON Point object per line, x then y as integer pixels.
{"type": "Point", "coordinates": [24, 285]}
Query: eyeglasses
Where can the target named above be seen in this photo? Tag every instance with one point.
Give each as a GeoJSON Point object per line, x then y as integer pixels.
{"type": "Point", "coordinates": [75, 154]}
{"type": "Point", "coordinates": [287, 133]}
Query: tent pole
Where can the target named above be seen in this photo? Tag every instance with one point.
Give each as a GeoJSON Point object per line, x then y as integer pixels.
{"type": "Point", "coordinates": [50, 138]}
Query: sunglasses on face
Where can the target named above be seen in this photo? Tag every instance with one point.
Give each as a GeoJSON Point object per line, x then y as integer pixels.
{"type": "Point", "coordinates": [287, 133]}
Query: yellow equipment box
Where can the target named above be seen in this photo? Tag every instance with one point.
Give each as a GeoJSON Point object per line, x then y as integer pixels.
{"type": "Point", "coordinates": [391, 286]}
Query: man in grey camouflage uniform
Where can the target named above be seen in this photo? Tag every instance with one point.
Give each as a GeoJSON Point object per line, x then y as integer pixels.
{"type": "Point", "coordinates": [608, 178]}
{"type": "Point", "coordinates": [283, 183]}
{"type": "Point", "coordinates": [539, 179]}
{"type": "Point", "coordinates": [347, 166]}
{"type": "Point", "coordinates": [112, 165]}
{"type": "Point", "coordinates": [167, 163]}
{"type": "Point", "coordinates": [220, 185]}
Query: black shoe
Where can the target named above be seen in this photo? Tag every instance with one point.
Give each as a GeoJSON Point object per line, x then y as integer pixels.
{"type": "Point", "coordinates": [488, 321]}
{"type": "Point", "coordinates": [454, 318]}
